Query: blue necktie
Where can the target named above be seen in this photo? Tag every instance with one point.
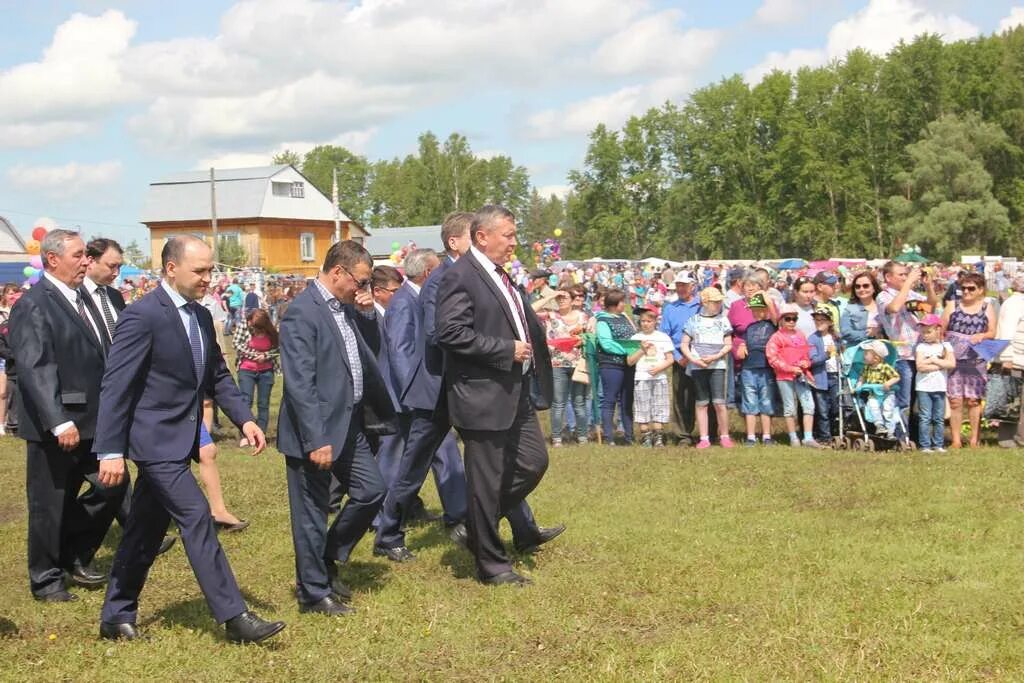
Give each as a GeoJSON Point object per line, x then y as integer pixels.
{"type": "Point", "coordinates": [195, 340]}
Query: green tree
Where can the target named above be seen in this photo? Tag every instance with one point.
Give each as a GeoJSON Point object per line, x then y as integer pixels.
{"type": "Point", "coordinates": [134, 256]}
{"type": "Point", "coordinates": [232, 253]}
{"type": "Point", "coordinates": [354, 178]}
{"type": "Point", "coordinates": [947, 204]}
{"type": "Point", "coordinates": [288, 157]}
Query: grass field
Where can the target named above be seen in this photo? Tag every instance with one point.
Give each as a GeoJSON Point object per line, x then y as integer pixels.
{"type": "Point", "coordinates": [760, 563]}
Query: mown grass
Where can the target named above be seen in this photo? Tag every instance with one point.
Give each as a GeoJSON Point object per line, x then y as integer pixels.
{"type": "Point", "coordinates": [754, 564]}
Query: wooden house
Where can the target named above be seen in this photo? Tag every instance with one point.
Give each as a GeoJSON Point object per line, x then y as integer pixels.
{"type": "Point", "coordinates": [284, 223]}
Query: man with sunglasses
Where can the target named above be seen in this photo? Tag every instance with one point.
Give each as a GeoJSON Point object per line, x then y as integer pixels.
{"type": "Point", "coordinates": [897, 305]}
{"type": "Point", "coordinates": [333, 390]}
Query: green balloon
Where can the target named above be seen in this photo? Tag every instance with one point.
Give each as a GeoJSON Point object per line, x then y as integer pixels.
{"type": "Point", "coordinates": [28, 271]}
{"type": "Point", "coordinates": [396, 245]}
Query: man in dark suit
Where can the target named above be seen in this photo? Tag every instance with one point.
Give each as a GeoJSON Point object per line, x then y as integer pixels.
{"type": "Point", "coordinates": [419, 427]}
{"type": "Point", "coordinates": [494, 353]}
{"type": "Point", "coordinates": [59, 348]}
{"type": "Point", "coordinates": [333, 392]}
{"type": "Point", "coordinates": [105, 257]}
{"type": "Point", "coordinates": [164, 361]}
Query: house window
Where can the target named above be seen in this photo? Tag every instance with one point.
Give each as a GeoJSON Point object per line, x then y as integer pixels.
{"type": "Point", "coordinates": [228, 237]}
{"type": "Point", "coordinates": [298, 190]}
{"type": "Point", "coordinates": [281, 189]}
{"type": "Point", "coordinates": [307, 244]}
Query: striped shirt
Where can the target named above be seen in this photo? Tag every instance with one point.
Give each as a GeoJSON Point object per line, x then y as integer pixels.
{"type": "Point", "coordinates": [349, 335]}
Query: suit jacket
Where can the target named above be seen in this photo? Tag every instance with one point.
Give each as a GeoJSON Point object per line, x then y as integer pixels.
{"type": "Point", "coordinates": [318, 400]}
{"type": "Point", "coordinates": [116, 298]}
{"type": "Point", "coordinates": [477, 331]}
{"type": "Point", "coordinates": [151, 404]}
{"type": "Point", "coordinates": [431, 375]}
{"type": "Point", "coordinates": [404, 327]}
{"type": "Point", "coordinates": [383, 359]}
{"type": "Point", "coordinates": [60, 363]}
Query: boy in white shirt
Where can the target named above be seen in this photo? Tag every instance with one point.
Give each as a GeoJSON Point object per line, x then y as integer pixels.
{"type": "Point", "coordinates": [934, 359]}
{"type": "Point", "coordinates": [650, 384]}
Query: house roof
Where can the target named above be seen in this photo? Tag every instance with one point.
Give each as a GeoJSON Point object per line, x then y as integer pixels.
{"type": "Point", "coordinates": [241, 193]}
{"type": "Point", "coordinates": [425, 236]}
{"type": "Point", "coordinates": [10, 240]}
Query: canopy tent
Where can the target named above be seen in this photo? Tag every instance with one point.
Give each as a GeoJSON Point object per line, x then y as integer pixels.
{"type": "Point", "coordinates": [792, 264]}
{"type": "Point", "coordinates": [653, 261]}
{"type": "Point", "coordinates": [910, 257]}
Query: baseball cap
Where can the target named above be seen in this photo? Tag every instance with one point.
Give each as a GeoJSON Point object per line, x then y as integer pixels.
{"type": "Point", "coordinates": [930, 320]}
{"type": "Point", "coordinates": [878, 347]}
{"type": "Point", "coordinates": [825, 278]}
{"type": "Point", "coordinates": [710, 295]}
{"type": "Point", "coordinates": [756, 300]}
{"type": "Point", "coordinates": [683, 278]}
{"type": "Point", "coordinates": [823, 311]}
{"type": "Point", "coordinates": [736, 273]}
{"type": "Point", "coordinates": [540, 274]}
{"type": "Point", "coordinates": [790, 309]}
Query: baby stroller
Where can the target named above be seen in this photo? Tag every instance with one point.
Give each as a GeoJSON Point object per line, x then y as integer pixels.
{"type": "Point", "coordinates": [857, 433]}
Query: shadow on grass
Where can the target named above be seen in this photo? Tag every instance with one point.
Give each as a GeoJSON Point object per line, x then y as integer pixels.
{"type": "Point", "coordinates": [8, 629]}
{"type": "Point", "coordinates": [194, 614]}
{"type": "Point", "coordinates": [364, 576]}
{"type": "Point", "coordinates": [428, 536]}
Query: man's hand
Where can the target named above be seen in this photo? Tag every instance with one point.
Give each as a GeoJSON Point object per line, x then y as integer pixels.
{"type": "Point", "coordinates": [522, 351]}
{"type": "Point", "coordinates": [321, 457]}
{"type": "Point", "coordinates": [700, 362]}
{"type": "Point", "coordinates": [255, 436]}
{"type": "Point", "coordinates": [69, 438]}
{"type": "Point", "coordinates": [682, 361]}
{"type": "Point", "coordinates": [364, 300]}
{"type": "Point", "coordinates": [913, 277]}
{"type": "Point", "coordinates": [111, 472]}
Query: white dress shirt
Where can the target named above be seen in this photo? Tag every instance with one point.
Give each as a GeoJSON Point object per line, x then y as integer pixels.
{"type": "Point", "coordinates": [490, 267]}
{"type": "Point", "coordinates": [93, 290]}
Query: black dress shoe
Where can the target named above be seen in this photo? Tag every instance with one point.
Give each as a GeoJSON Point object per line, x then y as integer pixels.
{"type": "Point", "coordinates": [506, 578]}
{"type": "Point", "coordinates": [85, 576]}
{"type": "Point", "coordinates": [249, 628]}
{"type": "Point", "coordinates": [419, 514]}
{"type": "Point", "coordinates": [459, 535]}
{"type": "Point", "coordinates": [329, 606]}
{"type": "Point", "coordinates": [338, 587]}
{"type": "Point", "coordinates": [126, 631]}
{"type": "Point", "coordinates": [544, 534]}
{"type": "Point", "coordinates": [166, 544]}
{"type": "Point", "coordinates": [57, 596]}
{"type": "Point", "coordinates": [399, 554]}
{"type": "Point", "coordinates": [240, 525]}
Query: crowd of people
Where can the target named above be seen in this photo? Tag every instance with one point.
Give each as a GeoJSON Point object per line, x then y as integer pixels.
{"type": "Point", "coordinates": [383, 366]}
{"type": "Point", "coordinates": [770, 344]}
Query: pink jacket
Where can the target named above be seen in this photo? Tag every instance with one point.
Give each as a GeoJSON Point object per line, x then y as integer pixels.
{"type": "Point", "coordinates": [785, 350]}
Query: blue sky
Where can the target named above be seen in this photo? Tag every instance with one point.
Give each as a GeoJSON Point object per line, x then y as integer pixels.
{"type": "Point", "coordinates": [97, 99]}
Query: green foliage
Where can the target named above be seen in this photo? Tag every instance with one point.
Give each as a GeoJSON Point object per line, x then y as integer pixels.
{"type": "Point", "coordinates": [947, 205]}
{"type": "Point", "coordinates": [806, 164]}
{"type": "Point", "coordinates": [232, 253]}
{"type": "Point", "coordinates": [133, 255]}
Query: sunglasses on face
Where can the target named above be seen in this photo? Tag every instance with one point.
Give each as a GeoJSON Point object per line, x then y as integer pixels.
{"type": "Point", "coordinates": [862, 285]}
{"type": "Point", "coordinates": [788, 318]}
{"type": "Point", "coordinates": [360, 284]}
{"type": "Point", "coordinates": [969, 288]}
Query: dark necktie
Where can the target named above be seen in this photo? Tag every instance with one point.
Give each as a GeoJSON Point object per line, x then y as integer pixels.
{"type": "Point", "coordinates": [516, 305]}
{"type": "Point", "coordinates": [107, 315]}
{"type": "Point", "coordinates": [84, 315]}
{"type": "Point", "coordinates": [195, 340]}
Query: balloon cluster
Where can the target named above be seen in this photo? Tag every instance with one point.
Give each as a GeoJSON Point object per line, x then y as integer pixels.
{"type": "Point", "coordinates": [398, 252]}
{"type": "Point", "coordinates": [548, 251]}
{"type": "Point", "coordinates": [34, 270]}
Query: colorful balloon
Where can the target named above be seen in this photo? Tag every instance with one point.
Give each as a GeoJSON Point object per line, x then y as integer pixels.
{"type": "Point", "coordinates": [34, 279]}
{"type": "Point", "coordinates": [28, 271]}
{"type": "Point", "coordinates": [39, 233]}
{"type": "Point", "coordinates": [36, 262]}
{"type": "Point", "coordinates": [32, 246]}
{"type": "Point", "coordinates": [396, 245]}
{"type": "Point", "coordinates": [558, 232]}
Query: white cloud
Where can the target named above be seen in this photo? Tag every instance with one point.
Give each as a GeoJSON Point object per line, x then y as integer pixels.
{"type": "Point", "coordinates": [77, 80]}
{"type": "Point", "coordinates": [876, 28]}
{"type": "Point", "coordinates": [560, 191]}
{"type": "Point", "coordinates": [67, 181]}
{"type": "Point", "coordinates": [355, 141]}
{"type": "Point", "coordinates": [1013, 20]}
{"type": "Point", "coordinates": [654, 45]}
{"type": "Point", "coordinates": [779, 11]}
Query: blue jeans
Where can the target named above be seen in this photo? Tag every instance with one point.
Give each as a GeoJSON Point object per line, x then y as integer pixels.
{"type": "Point", "coordinates": [931, 414]}
{"type": "Point", "coordinates": [566, 390]}
{"type": "Point", "coordinates": [617, 388]}
{"type": "Point", "coordinates": [826, 409]}
{"type": "Point", "coordinates": [905, 389]}
{"type": "Point", "coordinates": [248, 382]}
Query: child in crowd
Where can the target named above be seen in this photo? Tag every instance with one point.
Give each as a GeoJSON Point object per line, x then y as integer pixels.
{"type": "Point", "coordinates": [934, 359]}
{"type": "Point", "coordinates": [755, 376]}
{"type": "Point", "coordinates": [789, 355]}
{"type": "Point", "coordinates": [880, 406]}
{"type": "Point", "coordinates": [650, 384]}
{"type": "Point", "coordinates": [825, 369]}
{"type": "Point", "coordinates": [707, 340]}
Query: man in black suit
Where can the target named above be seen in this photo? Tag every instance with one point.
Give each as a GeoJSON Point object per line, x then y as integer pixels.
{"type": "Point", "coordinates": [333, 393]}
{"type": "Point", "coordinates": [59, 346]}
{"type": "Point", "coordinates": [105, 259]}
{"type": "Point", "coordinates": [494, 352]}
{"type": "Point", "coordinates": [164, 361]}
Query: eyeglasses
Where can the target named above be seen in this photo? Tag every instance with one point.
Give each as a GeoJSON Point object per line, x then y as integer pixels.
{"type": "Point", "coordinates": [788, 318]}
{"type": "Point", "coordinates": [578, 296]}
{"type": "Point", "coordinates": [360, 284]}
{"type": "Point", "coordinates": [863, 285]}
{"type": "Point", "coordinates": [969, 288]}
{"type": "Point", "coordinates": [389, 290]}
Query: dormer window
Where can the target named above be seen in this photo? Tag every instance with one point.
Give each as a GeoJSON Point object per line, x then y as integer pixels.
{"type": "Point", "coordinates": [295, 190]}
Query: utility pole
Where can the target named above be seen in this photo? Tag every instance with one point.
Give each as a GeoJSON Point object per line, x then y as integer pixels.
{"type": "Point", "coordinates": [213, 212]}
{"type": "Point", "coordinates": [337, 211]}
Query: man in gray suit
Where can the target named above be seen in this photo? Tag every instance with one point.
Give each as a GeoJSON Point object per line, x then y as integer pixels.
{"type": "Point", "coordinates": [333, 393]}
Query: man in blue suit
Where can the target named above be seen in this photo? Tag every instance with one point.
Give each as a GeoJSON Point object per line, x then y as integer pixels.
{"type": "Point", "coordinates": [423, 431]}
{"type": "Point", "coordinates": [164, 361]}
{"type": "Point", "coordinates": [333, 394]}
